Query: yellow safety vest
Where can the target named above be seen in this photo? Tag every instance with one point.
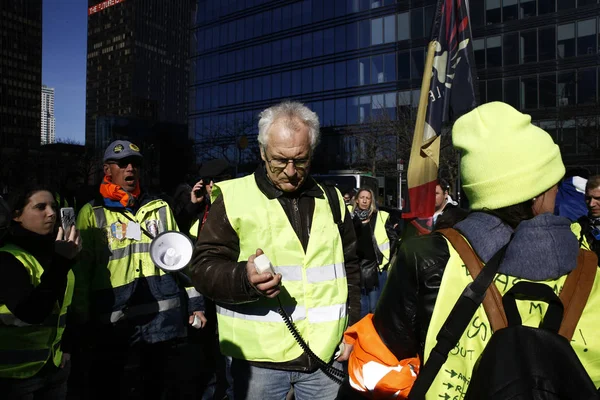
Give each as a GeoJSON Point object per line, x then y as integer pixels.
{"type": "Point", "coordinates": [314, 286]}
{"type": "Point", "coordinates": [576, 229]}
{"type": "Point", "coordinates": [26, 348]}
{"type": "Point", "coordinates": [194, 229]}
{"type": "Point", "coordinates": [382, 239]}
{"type": "Point", "coordinates": [111, 263]}
{"type": "Point", "coordinates": [453, 378]}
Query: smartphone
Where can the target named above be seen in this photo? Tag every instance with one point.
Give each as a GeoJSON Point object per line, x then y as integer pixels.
{"type": "Point", "coordinates": [67, 218]}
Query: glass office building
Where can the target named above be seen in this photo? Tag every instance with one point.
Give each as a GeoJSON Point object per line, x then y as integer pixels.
{"type": "Point", "coordinates": [353, 60]}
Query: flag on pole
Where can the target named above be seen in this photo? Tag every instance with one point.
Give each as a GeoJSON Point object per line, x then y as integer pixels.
{"type": "Point", "coordinates": [447, 92]}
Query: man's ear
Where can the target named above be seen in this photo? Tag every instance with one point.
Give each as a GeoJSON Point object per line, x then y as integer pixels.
{"type": "Point", "coordinates": [262, 154]}
{"type": "Point", "coordinates": [106, 169]}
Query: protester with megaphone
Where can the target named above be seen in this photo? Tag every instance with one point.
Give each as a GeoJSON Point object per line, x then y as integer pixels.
{"type": "Point", "coordinates": [132, 304]}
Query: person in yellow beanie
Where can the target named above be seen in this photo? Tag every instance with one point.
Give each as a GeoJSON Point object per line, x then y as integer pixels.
{"type": "Point", "coordinates": [510, 169]}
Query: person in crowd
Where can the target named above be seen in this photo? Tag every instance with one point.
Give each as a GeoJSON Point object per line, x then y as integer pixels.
{"type": "Point", "coordinates": [570, 200]}
{"type": "Point", "coordinates": [130, 306]}
{"type": "Point", "coordinates": [588, 230]}
{"type": "Point", "coordinates": [511, 205]}
{"type": "Point", "coordinates": [280, 211]}
{"type": "Point", "coordinates": [447, 212]}
{"type": "Point", "coordinates": [35, 294]}
{"type": "Point", "coordinates": [375, 235]}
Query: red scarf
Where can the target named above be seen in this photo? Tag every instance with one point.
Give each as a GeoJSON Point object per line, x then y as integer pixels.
{"type": "Point", "coordinates": [113, 192]}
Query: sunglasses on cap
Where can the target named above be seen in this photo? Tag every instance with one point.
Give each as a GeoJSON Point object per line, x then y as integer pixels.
{"type": "Point", "coordinates": [135, 162]}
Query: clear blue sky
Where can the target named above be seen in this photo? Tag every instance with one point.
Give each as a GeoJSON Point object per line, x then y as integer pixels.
{"type": "Point", "coordinates": [63, 63]}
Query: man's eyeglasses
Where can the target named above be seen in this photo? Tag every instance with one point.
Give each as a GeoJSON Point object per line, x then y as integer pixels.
{"type": "Point", "coordinates": [135, 162]}
{"type": "Point", "coordinates": [279, 164]}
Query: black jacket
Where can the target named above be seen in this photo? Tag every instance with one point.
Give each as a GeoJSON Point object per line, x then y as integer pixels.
{"type": "Point", "coordinates": [405, 307]}
{"type": "Point", "coordinates": [217, 274]}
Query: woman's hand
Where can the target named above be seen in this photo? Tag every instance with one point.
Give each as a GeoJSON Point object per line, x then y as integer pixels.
{"type": "Point", "coordinates": [68, 247]}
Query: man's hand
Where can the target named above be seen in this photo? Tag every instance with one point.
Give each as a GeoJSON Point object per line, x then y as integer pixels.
{"type": "Point", "coordinates": [265, 283]}
{"type": "Point", "coordinates": [346, 353]}
{"type": "Point", "coordinates": [197, 189]}
{"type": "Point", "coordinates": [66, 357]}
{"type": "Point", "coordinates": [200, 315]}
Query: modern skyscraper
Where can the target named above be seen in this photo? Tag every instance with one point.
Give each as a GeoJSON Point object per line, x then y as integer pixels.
{"type": "Point", "coordinates": [353, 61]}
{"type": "Point", "coordinates": [20, 73]}
{"type": "Point", "coordinates": [48, 121]}
{"type": "Point", "coordinates": [137, 62]}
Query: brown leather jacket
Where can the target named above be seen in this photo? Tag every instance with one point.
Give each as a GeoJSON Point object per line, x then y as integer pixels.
{"type": "Point", "coordinates": [217, 274]}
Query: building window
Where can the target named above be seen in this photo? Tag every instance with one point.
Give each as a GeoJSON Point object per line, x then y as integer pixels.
{"type": "Point", "coordinates": [493, 52]}
{"type": "Point", "coordinates": [527, 8]}
{"type": "Point", "coordinates": [482, 92]}
{"type": "Point", "coordinates": [340, 111]}
{"type": "Point", "coordinates": [364, 109]}
{"type": "Point", "coordinates": [586, 86]}
{"type": "Point", "coordinates": [479, 52]}
{"type": "Point", "coordinates": [586, 37]}
{"type": "Point", "coordinates": [510, 43]}
{"type": "Point", "coordinates": [529, 92]}
{"type": "Point", "coordinates": [353, 6]}
{"type": "Point", "coordinates": [416, 23]}
{"type": "Point", "coordinates": [389, 25]}
{"type": "Point", "coordinates": [565, 4]}
{"type": "Point", "coordinates": [565, 46]}
{"type": "Point", "coordinates": [511, 92]}
{"type": "Point", "coordinates": [494, 90]}
{"type": "Point", "coordinates": [377, 106]}
{"type": "Point", "coordinates": [493, 13]}
{"type": "Point", "coordinates": [477, 13]}
{"type": "Point", "coordinates": [340, 75]}
{"type": "Point", "coordinates": [389, 67]}
{"type": "Point", "coordinates": [364, 77]}
{"type": "Point", "coordinates": [566, 89]}
{"type": "Point", "coordinates": [390, 105]}
{"type": "Point", "coordinates": [376, 31]}
{"type": "Point", "coordinates": [429, 16]}
{"type": "Point", "coordinates": [528, 47]}
{"type": "Point", "coordinates": [546, 7]}
{"type": "Point", "coordinates": [546, 37]}
{"type": "Point", "coordinates": [352, 71]}
{"type": "Point", "coordinates": [328, 41]}
{"type": "Point", "coordinates": [548, 90]}
{"type": "Point", "coordinates": [318, 78]}
{"type": "Point", "coordinates": [352, 36]}
{"type": "Point", "coordinates": [328, 77]}
{"type": "Point", "coordinates": [404, 65]}
{"type": "Point", "coordinates": [510, 10]}
{"type": "Point", "coordinates": [328, 112]}
{"type": "Point", "coordinates": [307, 82]}
{"type": "Point", "coordinates": [376, 69]}
{"type": "Point", "coordinates": [307, 45]}
{"type": "Point", "coordinates": [417, 63]}
{"type": "Point", "coordinates": [317, 43]}
{"type": "Point", "coordinates": [403, 26]}
{"type": "Point", "coordinates": [352, 112]}
{"type": "Point", "coordinates": [364, 33]}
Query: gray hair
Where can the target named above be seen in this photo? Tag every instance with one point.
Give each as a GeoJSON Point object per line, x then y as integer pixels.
{"type": "Point", "coordinates": [289, 110]}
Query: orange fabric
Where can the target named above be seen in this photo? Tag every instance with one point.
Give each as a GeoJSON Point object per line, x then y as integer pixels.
{"type": "Point", "coordinates": [374, 370]}
{"type": "Point", "coordinates": [116, 193]}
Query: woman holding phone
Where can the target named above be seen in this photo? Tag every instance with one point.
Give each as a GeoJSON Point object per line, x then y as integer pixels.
{"type": "Point", "coordinates": [36, 287]}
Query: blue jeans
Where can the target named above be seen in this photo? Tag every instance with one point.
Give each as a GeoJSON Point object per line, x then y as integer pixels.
{"type": "Point", "coordinates": [369, 298]}
{"type": "Point", "coordinates": [255, 383]}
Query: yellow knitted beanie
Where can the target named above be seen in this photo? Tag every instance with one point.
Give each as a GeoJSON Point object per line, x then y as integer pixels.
{"type": "Point", "coordinates": [505, 160]}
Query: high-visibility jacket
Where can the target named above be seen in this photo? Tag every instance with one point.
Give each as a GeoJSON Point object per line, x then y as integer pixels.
{"type": "Point", "coordinates": [576, 229]}
{"type": "Point", "coordinates": [114, 266]}
{"type": "Point", "coordinates": [314, 286]}
{"type": "Point", "coordinates": [454, 376]}
{"type": "Point", "coordinates": [26, 348]}
{"type": "Point", "coordinates": [382, 239]}
{"type": "Point", "coordinates": [372, 368]}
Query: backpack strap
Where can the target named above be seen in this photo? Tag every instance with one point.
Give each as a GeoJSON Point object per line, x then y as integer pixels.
{"type": "Point", "coordinates": [576, 290]}
{"type": "Point", "coordinates": [332, 198]}
{"type": "Point", "coordinates": [492, 303]}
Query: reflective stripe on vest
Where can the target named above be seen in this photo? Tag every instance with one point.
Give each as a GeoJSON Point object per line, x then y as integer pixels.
{"type": "Point", "coordinates": [25, 348]}
{"type": "Point", "coordinates": [456, 372]}
{"type": "Point", "coordinates": [315, 289]}
{"type": "Point", "coordinates": [141, 309]}
{"type": "Point", "coordinates": [382, 239]}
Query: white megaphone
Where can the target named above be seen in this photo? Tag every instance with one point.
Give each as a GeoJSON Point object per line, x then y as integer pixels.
{"type": "Point", "coordinates": [171, 251]}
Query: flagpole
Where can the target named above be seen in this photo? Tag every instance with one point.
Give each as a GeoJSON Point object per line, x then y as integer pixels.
{"type": "Point", "coordinates": [414, 173]}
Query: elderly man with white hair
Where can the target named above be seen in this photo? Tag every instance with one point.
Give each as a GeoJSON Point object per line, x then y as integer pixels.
{"type": "Point", "coordinates": [282, 212]}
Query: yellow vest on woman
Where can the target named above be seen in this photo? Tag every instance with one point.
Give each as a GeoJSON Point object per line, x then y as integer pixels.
{"type": "Point", "coordinates": [26, 348]}
{"type": "Point", "coordinates": [382, 239]}
{"type": "Point", "coordinates": [314, 290]}
{"type": "Point", "coordinates": [455, 375]}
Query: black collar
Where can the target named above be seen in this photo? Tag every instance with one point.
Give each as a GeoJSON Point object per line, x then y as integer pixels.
{"type": "Point", "coordinates": [309, 187]}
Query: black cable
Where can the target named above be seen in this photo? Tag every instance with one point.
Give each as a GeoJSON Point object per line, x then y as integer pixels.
{"type": "Point", "coordinates": [333, 373]}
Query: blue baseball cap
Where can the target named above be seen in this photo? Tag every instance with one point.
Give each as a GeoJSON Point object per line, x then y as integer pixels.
{"type": "Point", "coordinates": [120, 149]}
